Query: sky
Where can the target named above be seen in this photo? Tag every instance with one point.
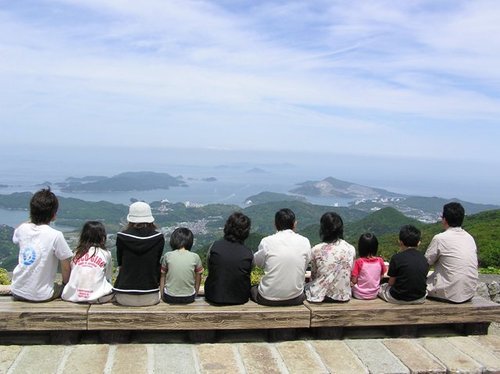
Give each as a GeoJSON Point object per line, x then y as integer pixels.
{"type": "Point", "coordinates": [417, 79]}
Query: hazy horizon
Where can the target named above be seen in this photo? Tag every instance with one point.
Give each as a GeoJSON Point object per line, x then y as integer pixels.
{"type": "Point", "coordinates": [280, 169]}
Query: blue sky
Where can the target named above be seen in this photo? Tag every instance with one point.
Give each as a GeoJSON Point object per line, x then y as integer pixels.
{"type": "Point", "coordinates": [385, 78]}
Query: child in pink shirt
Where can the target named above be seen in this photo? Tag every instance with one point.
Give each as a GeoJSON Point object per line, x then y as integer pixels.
{"type": "Point", "coordinates": [368, 269]}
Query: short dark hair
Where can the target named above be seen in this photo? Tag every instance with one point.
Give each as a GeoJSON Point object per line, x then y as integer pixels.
{"type": "Point", "coordinates": [331, 227]}
{"type": "Point", "coordinates": [367, 245]}
{"type": "Point", "coordinates": [409, 235]}
{"type": "Point", "coordinates": [284, 219]}
{"type": "Point", "coordinates": [454, 214]}
{"type": "Point", "coordinates": [237, 228]}
{"type": "Point", "coordinates": [43, 206]}
{"type": "Point", "coordinates": [182, 237]}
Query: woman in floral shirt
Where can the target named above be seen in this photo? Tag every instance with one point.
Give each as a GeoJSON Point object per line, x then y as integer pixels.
{"type": "Point", "coordinates": [331, 263]}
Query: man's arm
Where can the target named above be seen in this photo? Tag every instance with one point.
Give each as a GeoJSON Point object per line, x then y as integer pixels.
{"type": "Point", "coordinates": [259, 258]}
{"type": "Point", "coordinates": [391, 281]}
{"type": "Point", "coordinates": [65, 270]}
{"type": "Point", "coordinates": [432, 252]}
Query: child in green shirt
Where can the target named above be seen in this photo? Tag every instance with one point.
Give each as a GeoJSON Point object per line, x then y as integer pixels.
{"type": "Point", "coordinates": [180, 269]}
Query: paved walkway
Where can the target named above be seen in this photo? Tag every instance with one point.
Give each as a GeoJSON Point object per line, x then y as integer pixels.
{"type": "Point", "coordinates": [472, 354]}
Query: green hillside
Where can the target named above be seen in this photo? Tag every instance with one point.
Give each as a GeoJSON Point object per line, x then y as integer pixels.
{"type": "Point", "coordinates": [484, 227]}
{"type": "Point", "coordinates": [381, 222]}
{"type": "Point", "coordinates": [8, 250]}
{"type": "Point", "coordinates": [307, 214]}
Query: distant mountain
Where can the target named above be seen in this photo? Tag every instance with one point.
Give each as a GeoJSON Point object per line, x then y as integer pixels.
{"type": "Point", "coordinates": [267, 197]}
{"type": "Point", "coordinates": [369, 199]}
{"type": "Point", "coordinates": [331, 187]}
{"type": "Point", "coordinates": [425, 209]}
{"type": "Point", "coordinates": [130, 181]}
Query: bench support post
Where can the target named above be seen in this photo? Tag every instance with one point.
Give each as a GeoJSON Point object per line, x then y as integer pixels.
{"type": "Point", "coordinates": [202, 336]}
{"type": "Point", "coordinates": [327, 333]}
{"type": "Point", "coordinates": [476, 328]}
{"type": "Point", "coordinates": [65, 337]}
{"type": "Point", "coordinates": [403, 331]}
{"type": "Point", "coordinates": [115, 336]}
{"type": "Point", "coordinates": [276, 335]}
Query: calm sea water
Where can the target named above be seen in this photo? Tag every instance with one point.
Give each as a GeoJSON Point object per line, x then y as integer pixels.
{"type": "Point", "coordinates": [238, 174]}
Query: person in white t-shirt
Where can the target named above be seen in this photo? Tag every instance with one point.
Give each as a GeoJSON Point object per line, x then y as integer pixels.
{"type": "Point", "coordinates": [284, 256]}
{"type": "Point", "coordinates": [91, 267]}
{"type": "Point", "coordinates": [41, 249]}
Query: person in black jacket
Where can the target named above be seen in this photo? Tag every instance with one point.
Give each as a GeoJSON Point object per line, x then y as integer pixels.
{"type": "Point", "coordinates": [229, 264]}
{"type": "Point", "coordinates": [139, 248]}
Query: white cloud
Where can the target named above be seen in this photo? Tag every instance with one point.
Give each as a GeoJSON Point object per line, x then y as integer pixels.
{"type": "Point", "coordinates": [320, 70]}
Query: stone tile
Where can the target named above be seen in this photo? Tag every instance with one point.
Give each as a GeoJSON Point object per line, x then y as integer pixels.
{"type": "Point", "coordinates": [174, 358]}
{"type": "Point", "coordinates": [451, 357]}
{"type": "Point", "coordinates": [377, 358]}
{"type": "Point", "coordinates": [218, 358]}
{"type": "Point", "coordinates": [39, 358]}
{"type": "Point", "coordinates": [260, 358]}
{"type": "Point", "coordinates": [492, 342]}
{"type": "Point", "coordinates": [414, 356]}
{"type": "Point", "coordinates": [479, 353]}
{"type": "Point", "coordinates": [338, 357]}
{"type": "Point", "coordinates": [96, 363]}
{"type": "Point", "coordinates": [130, 358]}
{"type": "Point", "coordinates": [300, 358]}
{"type": "Point", "coordinates": [8, 354]}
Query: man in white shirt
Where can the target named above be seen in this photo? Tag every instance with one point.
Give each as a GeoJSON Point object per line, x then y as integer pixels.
{"type": "Point", "coordinates": [41, 249]}
{"type": "Point", "coordinates": [454, 256]}
{"type": "Point", "coordinates": [284, 256]}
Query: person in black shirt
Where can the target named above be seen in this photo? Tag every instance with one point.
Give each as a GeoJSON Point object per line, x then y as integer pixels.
{"type": "Point", "coordinates": [407, 271]}
{"type": "Point", "coordinates": [229, 264]}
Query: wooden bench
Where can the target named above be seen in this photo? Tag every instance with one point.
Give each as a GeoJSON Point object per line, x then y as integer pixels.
{"type": "Point", "coordinates": [56, 317]}
{"type": "Point", "coordinates": [473, 317]}
{"type": "Point", "coordinates": [201, 321]}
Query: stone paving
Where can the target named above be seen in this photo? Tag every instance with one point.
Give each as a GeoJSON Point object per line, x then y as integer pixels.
{"type": "Point", "coordinates": [455, 354]}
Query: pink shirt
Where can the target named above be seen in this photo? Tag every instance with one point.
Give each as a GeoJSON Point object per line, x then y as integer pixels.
{"type": "Point", "coordinates": [368, 270]}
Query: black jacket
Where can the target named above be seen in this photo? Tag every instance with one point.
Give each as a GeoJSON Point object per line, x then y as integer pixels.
{"type": "Point", "coordinates": [138, 252]}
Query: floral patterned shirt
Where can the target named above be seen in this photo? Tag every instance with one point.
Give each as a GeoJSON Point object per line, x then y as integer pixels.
{"type": "Point", "coordinates": [331, 266]}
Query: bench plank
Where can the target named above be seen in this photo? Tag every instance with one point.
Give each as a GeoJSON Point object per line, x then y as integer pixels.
{"type": "Point", "coordinates": [380, 313]}
{"type": "Point", "coordinates": [54, 315]}
{"type": "Point", "coordinates": [197, 316]}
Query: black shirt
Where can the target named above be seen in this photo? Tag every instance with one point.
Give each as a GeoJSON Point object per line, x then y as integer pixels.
{"type": "Point", "coordinates": [229, 267]}
{"type": "Point", "coordinates": [410, 268]}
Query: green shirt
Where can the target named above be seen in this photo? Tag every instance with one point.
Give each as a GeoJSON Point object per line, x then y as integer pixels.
{"type": "Point", "coordinates": [180, 267]}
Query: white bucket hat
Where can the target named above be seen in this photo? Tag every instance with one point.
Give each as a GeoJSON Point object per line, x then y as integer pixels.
{"type": "Point", "coordinates": [140, 212]}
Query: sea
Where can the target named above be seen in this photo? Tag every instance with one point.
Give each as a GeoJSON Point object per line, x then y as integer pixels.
{"type": "Point", "coordinates": [235, 175]}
